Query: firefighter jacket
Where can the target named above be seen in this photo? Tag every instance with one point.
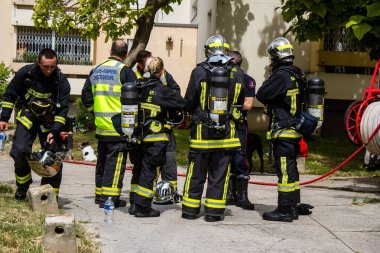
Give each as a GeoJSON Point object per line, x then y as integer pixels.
{"type": "Point", "coordinates": [283, 93]}
{"type": "Point", "coordinates": [203, 137]}
{"type": "Point", "coordinates": [157, 100]}
{"type": "Point", "coordinates": [101, 94]}
{"type": "Point", "coordinates": [30, 83]}
{"type": "Point", "coordinates": [166, 78]}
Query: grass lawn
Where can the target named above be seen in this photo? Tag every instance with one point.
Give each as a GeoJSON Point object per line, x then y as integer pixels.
{"type": "Point", "coordinates": [326, 154]}
{"type": "Point", "coordinates": [21, 230]}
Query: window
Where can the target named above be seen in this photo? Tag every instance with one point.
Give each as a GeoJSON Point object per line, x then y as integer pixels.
{"type": "Point", "coordinates": [337, 41]}
{"type": "Point", "coordinates": [71, 48]}
{"type": "Point", "coordinates": [194, 10]}
{"type": "Point", "coordinates": [129, 44]}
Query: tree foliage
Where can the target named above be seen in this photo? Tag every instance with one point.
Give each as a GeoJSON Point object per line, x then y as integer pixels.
{"type": "Point", "coordinates": [5, 72]}
{"type": "Point", "coordinates": [116, 18]}
{"type": "Point", "coordinates": [84, 119]}
{"type": "Point", "coordinates": [311, 19]}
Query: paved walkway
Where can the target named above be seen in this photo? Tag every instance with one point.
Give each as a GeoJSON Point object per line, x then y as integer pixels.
{"type": "Point", "coordinates": [336, 224]}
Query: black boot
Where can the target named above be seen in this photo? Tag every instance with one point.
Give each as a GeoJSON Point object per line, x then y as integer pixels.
{"type": "Point", "coordinates": [20, 194]}
{"type": "Point", "coordinates": [281, 213]}
{"type": "Point", "coordinates": [116, 201]}
{"type": "Point", "coordinates": [143, 212]}
{"type": "Point", "coordinates": [188, 216]}
{"type": "Point", "coordinates": [98, 199]}
{"type": "Point", "coordinates": [242, 195]}
{"type": "Point", "coordinates": [231, 191]}
{"type": "Point", "coordinates": [211, 218]}
{"type": "Point", "coordinates": [295, 212]}
{"type": "Point", "coordinates": [304, 209]}
{"type": "Point", "coordinates": [177, 198]}
{"type": "Point", "coordinates": [132, 208]}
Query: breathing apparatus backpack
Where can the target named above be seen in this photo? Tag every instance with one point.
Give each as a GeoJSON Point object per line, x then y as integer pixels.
{"type": "Point", "coordinates": [217, 110]}
{"type": "Point", "coordinates": [312, 96]}
{"type": "Point", "coordinates": [130, 122]}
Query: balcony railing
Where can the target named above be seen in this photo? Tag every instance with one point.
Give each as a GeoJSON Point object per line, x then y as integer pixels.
{"type": "Point", "coordinates": [71, 48]}
{"type": "Point", "coordinates": [342, 57]}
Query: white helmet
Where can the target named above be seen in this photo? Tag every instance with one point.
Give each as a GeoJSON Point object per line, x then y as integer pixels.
{"type": "Point", "coordinates": [165, 193]}
{"type": "Point", "coordinates": [216, 45]}
{"type": "Point", "coordinates": [280, 49]}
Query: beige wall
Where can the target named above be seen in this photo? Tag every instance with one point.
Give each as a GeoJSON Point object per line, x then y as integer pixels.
{"type": "Point", "coordinates": [180, 15]}
{"type": "Point", "coordinates": [180, 56]}
{"type": "Point", "coordinates": [345, 86]}
{"type": "Point", "coordinates": [250, 26]}
{"type": "Point", "coordinates": [7, 45]}
{"type": "Point", "coordinates": [206, 21]}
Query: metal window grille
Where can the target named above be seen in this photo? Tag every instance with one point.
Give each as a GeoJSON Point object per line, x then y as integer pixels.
{"type": "Point", "coordinates": [337, 40]}
{"type": "Point", "coordinates": [71, 48]}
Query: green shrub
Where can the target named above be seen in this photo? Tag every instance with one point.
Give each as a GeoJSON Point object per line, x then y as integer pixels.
{"type": "Point", "coordinates": [84, 119]}
{"type": "Point", "coordinates": [5, 72]}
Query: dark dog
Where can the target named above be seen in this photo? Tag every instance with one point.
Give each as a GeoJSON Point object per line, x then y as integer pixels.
{"type": "Point", "coordinates": [254, 143]}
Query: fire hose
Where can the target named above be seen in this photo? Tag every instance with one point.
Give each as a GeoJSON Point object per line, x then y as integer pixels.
{"type": "Point", "coordinates": [270, 183]}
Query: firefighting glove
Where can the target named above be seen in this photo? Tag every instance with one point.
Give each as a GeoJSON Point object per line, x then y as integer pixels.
{"type": "Point", "coordinates": [304, 209]}
{"type": "Point", "coordinates": [53, 147]}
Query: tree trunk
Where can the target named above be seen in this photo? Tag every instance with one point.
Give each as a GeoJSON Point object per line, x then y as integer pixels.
{"type": "Point", "coordinates": [141, 39]}
{"type": "Point", "coordinates": [144, 28]}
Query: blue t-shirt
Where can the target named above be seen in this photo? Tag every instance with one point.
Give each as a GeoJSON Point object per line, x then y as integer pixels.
{"type": "Point", "coordinates": [249, 88]}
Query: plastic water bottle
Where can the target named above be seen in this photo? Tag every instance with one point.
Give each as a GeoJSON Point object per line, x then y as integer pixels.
{"type": "Point", "coordinates": [3, 138]}
{"type": "Point", "coordinates": [109, 206]}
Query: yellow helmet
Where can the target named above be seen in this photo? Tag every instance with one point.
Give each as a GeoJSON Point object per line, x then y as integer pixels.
{"type": "Point", "coordinates": [280, 49]}
{"type": "Point", "coordinates": [216, 45]}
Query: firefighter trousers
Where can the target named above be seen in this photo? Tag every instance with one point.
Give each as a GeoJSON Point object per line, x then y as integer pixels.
{"type": "Point", "coordinates": [239, 163]}
{"type": "Point", "coordinates": [135, 156]}
{"type": "Point", "coordinates": [153, 156]}
{"type": "Point", "coordinates": [23, 140]}
{"type": "Point", "coordinates": [215, 165]}
{"type": "Point", "coordinates": [169, 169]}
{"type": "Point", "coordinates": [110, 169]}
{"type": "Point", "coordinates": [285, 153]}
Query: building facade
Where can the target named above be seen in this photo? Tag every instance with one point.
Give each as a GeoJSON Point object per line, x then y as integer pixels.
{"type": "Point", "coordinates": [21, 43]}
{"type": "Point", "coordinates": [250, 25]}
{"type": "Point", "coordinates": [178, 38]}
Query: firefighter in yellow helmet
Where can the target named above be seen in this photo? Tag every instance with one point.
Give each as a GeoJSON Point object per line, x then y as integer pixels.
{"type": "Point", "coordinates": [214, 98]}
{"type": "Point", "coordinates": [283, 94]}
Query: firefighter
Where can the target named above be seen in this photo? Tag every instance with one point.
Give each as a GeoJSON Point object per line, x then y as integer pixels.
{"type": "Point", "coordinates": [156, 100]}
{"type": "Point", "coordinates": [283, 93]}
{"type": "Point", "coordinates": [214, 98]}
{"type": "Point", "coordinates": [169, 169]}
{"type": "Point", "coordinates": [42, 93]}
{"type": "Point", "coordinates": [238, 184]}
{"type": "Point", "coordinates": [101, 94]}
